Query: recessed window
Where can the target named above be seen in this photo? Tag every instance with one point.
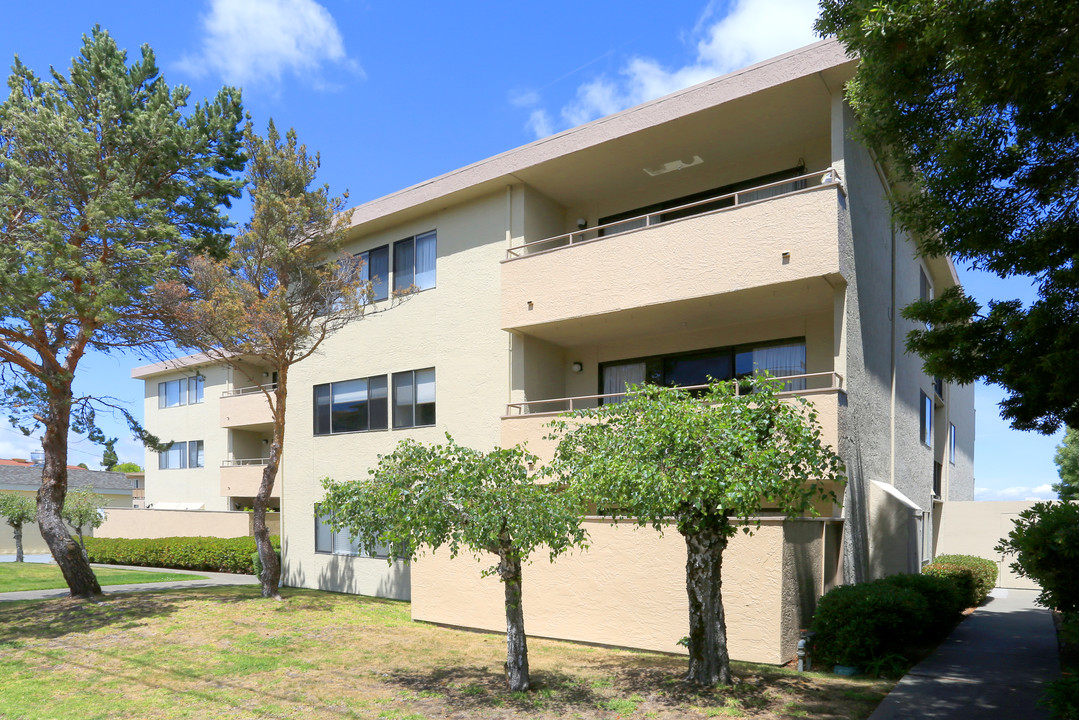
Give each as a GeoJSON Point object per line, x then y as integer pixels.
{"type": "Point", "coordinates": [185, 391]}
{"type": "Point", "coordinates": [351, 406]}
{"type": "Point", "coordinates": [927, 419]}
{"type": "Point", "coordinates": [951, 443]}
{"type": "Point", "coordinates": [414, 262]}
{"type": "Point", "coordinates": [339, 543]}
{"type": "Point", "coordinates": [414, 398]}
{"type": "Point", "coordinates": [182, 455]}
{"type": "Point", "coordinates": [376, 270]}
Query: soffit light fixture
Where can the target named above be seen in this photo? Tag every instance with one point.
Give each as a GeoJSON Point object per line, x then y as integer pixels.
{"type": "Point", "coordinates": [673, 165]}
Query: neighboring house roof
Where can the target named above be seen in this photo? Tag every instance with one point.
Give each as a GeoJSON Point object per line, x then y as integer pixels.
{"type": "Point", "coordinates": [23, 475]}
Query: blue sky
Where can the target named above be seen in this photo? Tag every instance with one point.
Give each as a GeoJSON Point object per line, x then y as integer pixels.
{"type": "Point", "coordinates": [391, 94]}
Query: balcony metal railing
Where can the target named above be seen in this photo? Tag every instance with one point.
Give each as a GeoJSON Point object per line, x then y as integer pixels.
{"type": "Point", "coordinates": [813, 383]}
{"type": "Point", "coordinates": [249, 390]}
{"type": "Point", "coordinates": [749, 196]}
{"type": "Point", "coordinates": [244, 462]}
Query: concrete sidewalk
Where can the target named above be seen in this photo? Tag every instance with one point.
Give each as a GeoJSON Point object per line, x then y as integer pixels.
{"type": "Point", "coordinates": [213, 579]}
{"type": "Point", "coordinates": [995, 664]}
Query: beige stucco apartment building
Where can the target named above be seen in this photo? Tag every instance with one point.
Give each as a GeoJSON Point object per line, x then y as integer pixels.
{"type": "Point", "coordinates": [732, 225]}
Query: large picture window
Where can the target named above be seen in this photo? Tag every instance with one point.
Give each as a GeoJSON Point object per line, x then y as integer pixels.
{"type": "Point", "coordinates": [351, 406]}
{"type": "Point", "coordinates": [780, 359]}
{"type": "Point", "coordinates": [414, 398]}
{"type": "Point", "coordinates": [414, 262]}
{"type": "Point", "coordinates": [185, 391]}
{"type": "Point", "coordinates": [182, 455]}
{"type": "Point", "coordinates": [376, 270]}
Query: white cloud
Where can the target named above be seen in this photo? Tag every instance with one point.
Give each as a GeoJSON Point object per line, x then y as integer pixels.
{"type": "Point", "coordinates": [255, 41]}
{"type": "Point", "coordinates": [540, 123]}
{"type": "Point", "coordinates": [1016, 492]}
{"type": "Point", "coordinates": [751, 31]}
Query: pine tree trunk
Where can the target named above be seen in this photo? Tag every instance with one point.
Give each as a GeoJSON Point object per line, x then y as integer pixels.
{"type": "Point", "coordinates": [509, 569]}
{"type": "Point", "coordinates": [271, 567]}
{"type": "Point", "coordinates": [709, 663]}
{"type": "Point", "coordinates": [77, 572]}
{"type": "Point", "coordinates": [18, 544]}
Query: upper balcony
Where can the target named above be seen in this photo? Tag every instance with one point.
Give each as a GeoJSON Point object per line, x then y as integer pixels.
{"type": "Point", "coordinates": [242, 477]}
{"type": "Point", "coordinates": [247, 408]}
{"type": "Point", "coordinates": [771, 244]}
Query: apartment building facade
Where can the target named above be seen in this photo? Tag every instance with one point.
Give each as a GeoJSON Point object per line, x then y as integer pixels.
{"type": "Point", "coordinates": [733, 226]}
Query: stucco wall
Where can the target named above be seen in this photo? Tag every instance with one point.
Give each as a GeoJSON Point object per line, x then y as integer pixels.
{"type": "Point", "coordinates": [151, 523]}
{"type": "Point", "coordinates": [975, 528]}
{"type": "Point", "coordinates": [454, 328]}
{"type": "Point", "coordinates": [33, 543]}
{"type": "Point", "coordinates": [893, 537]}
{"type": "Point", "coordinates": [627, 589]}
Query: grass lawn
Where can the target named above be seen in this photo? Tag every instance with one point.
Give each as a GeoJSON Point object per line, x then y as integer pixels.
{"type": "Point", "coordinates": [227, 653]}
{"type": "Point", "coordinates": [17, 577]}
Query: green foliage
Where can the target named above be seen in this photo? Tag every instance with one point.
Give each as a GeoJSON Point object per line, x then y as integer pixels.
{"type": "Point", "coordinates": [1045, 541]}
{"type": "Point", "coordinates": [256, 563]}
{"type": "Point", "coordinates": [1062, 698]}
{"type": "Point", "coordinates": [17, 510]}
{"type": "Point", "coordinates": [83, 509]}
{"type": "Point", "coordinates": [668, 454]}
{"type": "Point", "coordinates": [109, 459]}
{"type": "Point", "coordinates": [232, 555]}
{"type": "Point", "coordinates": [975, 577]}
{"type": "Point", "coordinates": [428, 496]}
{"type": "Point", "coordinates": [1067, 462]}
{"type": "Point", "coordinates": [128, 467]}
{"type": "Point", "coordinates": [972, 109]}
{"type": "Point", "coordinates": [944, 597]}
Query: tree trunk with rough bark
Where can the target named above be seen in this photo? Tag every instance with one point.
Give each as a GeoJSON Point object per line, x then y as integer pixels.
{"type": "Point", "coordinates": [271, 567]}
{"type": "Point", "coordinates": [18, 543]}
{"type": "Point", "coordinates": [709, 663]}
{"type": "Point", "coordinates": [77, 572]}
{"type": "Point", "coordinates": [509, 570]}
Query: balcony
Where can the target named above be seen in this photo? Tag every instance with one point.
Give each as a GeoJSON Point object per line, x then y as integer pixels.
{"type": "Point", "coordinates": [242, 477]}
{"type": "Point", "coordinates": [246, 408]}
{"type": "Point", "coordinates": [527, 421]}
{"type": "Point", "coordinates": [773, 245]}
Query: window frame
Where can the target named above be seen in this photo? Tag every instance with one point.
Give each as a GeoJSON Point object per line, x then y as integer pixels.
{"type": "Point", "coordinates": [413, 243]}
{"type": "Point", "coordinates": [316, 424]}
{"type": "Point", "coordinates": [415, 404]}
{"type": "Point", "coordinates": [951, 443]}
{"type": "Point", "coordinates": [365, 273]}
{"type": "Point", "coordinates": [185, 386]}
{"type": "Point", "coordinates": [926, 426]}
{"type": "Point", "coordinates": [353, 549]}
{"type": "Point", "coordinates": [180, 447]}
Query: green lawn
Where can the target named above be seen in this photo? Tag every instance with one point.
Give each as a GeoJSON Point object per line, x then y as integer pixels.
{"type": "Point", "coordinates": [18, 577]}
{"type": "Point", "coordinates": [226, 653]}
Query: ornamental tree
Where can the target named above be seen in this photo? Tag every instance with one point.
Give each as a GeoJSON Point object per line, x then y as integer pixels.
{"type": "Point", "coordinates": [703, 463]}
{"type": "Point", "coordinates": [17, 510]}
{"type": "Point", "coordinates": [1067, 462]}
{"type": "Point", "coordinates": [423, 497]}
{"type": "Point", "coordinates": [282, 289]}
{"type": "Point", "coordinates": [83, 509]}
{"type": "Point", "coordinates": [109, 183]}
{"type": "Point", "coordinates": [973, 109]}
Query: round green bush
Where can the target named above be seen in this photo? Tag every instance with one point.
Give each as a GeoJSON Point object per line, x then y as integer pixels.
{"type": "Point", "coordinates": [974, 576]}
{"type": "Point", "coordinates": [946, 601]}
{"type": "Point", "coordinates": [857, 624]}
{"type": "Point", "coordinates": [1045, 541]}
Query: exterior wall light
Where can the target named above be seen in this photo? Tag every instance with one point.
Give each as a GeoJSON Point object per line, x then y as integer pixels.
{"type": "Point", "coordinates": [577, 367]}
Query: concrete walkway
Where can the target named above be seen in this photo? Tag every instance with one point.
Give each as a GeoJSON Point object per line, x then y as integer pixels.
{"type": "Point", "coordinates": [212, 580]}
{"type": "Point", "coordinates": [995, 664]}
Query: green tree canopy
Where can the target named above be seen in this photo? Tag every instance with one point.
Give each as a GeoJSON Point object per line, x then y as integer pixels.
{"type": "Point", "coordinates": [1067, 462]}
{"type": "Point", "coordinates": [17, 510]}
{"type": "Point", "coordinates": [127, 467]}
{"type": "Point", "coordinates": [108, 456]}
{"type": "Point", "coordinates": [974, 109]}
{"type": "Point", "coordinates": [423, 497]}
{"type": "Point", "coordinates": [283, 287]}
{"type": "Point", "coordinates": [109, 183]}
{"type": "Point", "coordinates": [701, 463]}
{"type": "Point", "coordinates": [83, 509]}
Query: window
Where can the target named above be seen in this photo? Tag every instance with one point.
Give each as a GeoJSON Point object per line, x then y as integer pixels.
{"type": "Point", "coordinates": [783, 358]}
{"type": "Point", "coordinates": [414, 398]}
{"type": "Point", "coordinates": [414, 262]}
{"type": "Point", "coordinates": [185, 391]}
{"type": "Point", "coordinates": [925, 290]}
{"type": "Point", "coordinates": [351, 406]}
{"type": "Point", "coordinates": [196, 457]}
{"type": "Point", "coordinates": [339, 543]}
{"type": "Point", "coordinates": [951, 443]}
{"type": "Point", "coordinates": [927, 419]}
{"type": "Point", "coordinates": [376, 270]}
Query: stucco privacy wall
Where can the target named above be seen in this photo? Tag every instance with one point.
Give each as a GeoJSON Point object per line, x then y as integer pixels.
{"type": "Point", "coordinates": [141, 523]}
{"type": "Point", "coordinates": [32, 542]}
{"type": "Point", "coordinates": [454, 328]}
{"type": "Point", "coordinates": [975, 528]}
{"type": "Point", "coordinates": [629, 589]}
{"type": "Point", "coordinates": [893, 537]}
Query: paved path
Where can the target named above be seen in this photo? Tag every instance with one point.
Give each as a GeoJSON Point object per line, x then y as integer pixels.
{"type": "Point", "coordinates": [995, 664]}
{"type": "Point", "coordinates": [212, 580]}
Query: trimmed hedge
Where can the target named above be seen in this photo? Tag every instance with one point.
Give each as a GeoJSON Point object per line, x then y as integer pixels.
{"type": "Point", "coordinates": [946, 601]}
{"type": "Point", "coordinates": [858, 624]}
{"type": "Point", "coordinates": [974, 576]}
{"type": "Point", "coordinates": [231, 555]}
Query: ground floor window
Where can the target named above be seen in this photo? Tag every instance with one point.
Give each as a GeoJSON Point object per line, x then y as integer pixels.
{"type": "Point", "coordinates": [339, 543]}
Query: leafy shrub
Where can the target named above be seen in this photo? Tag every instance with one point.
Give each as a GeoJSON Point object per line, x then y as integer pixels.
{"type": "Point", "coordinates": [256, 562]}
{"type": "Point", "coordinates": [1045, 541]}
{"type": "Point", "coordinates": [974, 576]}
{"type": "Point", "coordinates": [1062, 698]}
{"type": "Point", "coordinates": [946, 601]}
{"type": "Point", "coordinates": [191, 553]}
{"type": "Point", "coordinates": [856, 624]}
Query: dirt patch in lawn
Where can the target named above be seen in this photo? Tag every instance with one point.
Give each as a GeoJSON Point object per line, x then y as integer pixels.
{"type": "Point", "coordinates": [226, 653]}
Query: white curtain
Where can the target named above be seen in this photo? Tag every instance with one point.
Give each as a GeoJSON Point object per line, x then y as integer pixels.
{"type": "Point", "coordinates": [425, 261]}
{"type": "Point", "coordinates": [782, 360]}
{"type": "Point", "coordinates": [616, 378]}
